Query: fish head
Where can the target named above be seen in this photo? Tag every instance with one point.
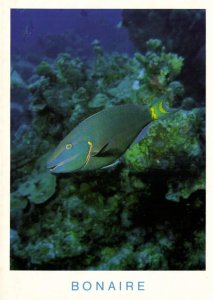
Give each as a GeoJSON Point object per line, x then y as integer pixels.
{"type": "Point", "coordinates": [70, 155]}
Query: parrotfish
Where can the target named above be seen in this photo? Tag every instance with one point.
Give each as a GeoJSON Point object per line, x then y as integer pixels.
{"type": "Point", "coordinates": [101, 139]}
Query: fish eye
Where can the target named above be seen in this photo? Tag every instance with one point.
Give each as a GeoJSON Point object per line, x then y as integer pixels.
{"type": "Point", "coordinates": [68, 146]}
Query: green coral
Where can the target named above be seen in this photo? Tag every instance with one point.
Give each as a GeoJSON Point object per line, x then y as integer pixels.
{"type": "Point", "coordinates": [195, 258]}
{"type": "Point", "coordinates": [69, 71]}
{"type": "Point", "coordinates": [154, 45]}
{"type": "Point", "coordinates": [38, 187]}
{"type": "Point", "coordinates": [184, 188]}
{"type": "Point", "coordinates": [175, 62]}
{"type": "Point", "coordinates": [17, 202]}
{"type": "Point", "coordinates": [164, 147]}
{"type": "Point", "coordinates": [99, 101]}
{"type": "Point", "coordinates": [45, 69]}
{"type": "Point", "coordinates": [160, 67]}
{"type": "Point", "coordinates": [116, 259]}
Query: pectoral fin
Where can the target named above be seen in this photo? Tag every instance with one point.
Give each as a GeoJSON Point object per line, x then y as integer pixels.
{"type": "Point", "coordinates": [106, 151]}
{"type": "Point", "coordinates": [112, 165]}
{"type": "Point", "coordinates": [101, 152]}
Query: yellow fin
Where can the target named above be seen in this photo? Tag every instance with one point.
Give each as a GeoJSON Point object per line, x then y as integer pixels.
{"type": "Point", "coordinates": [161, 109]}
{"type": "Point", "coordinates": [153, 113]}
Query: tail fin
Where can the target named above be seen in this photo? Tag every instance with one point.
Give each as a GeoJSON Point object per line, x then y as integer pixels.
{"type": "Point", "coordinates": [159, 110]}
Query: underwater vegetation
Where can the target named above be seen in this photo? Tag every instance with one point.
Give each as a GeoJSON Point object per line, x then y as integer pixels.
{"type": "Point", "coordinates": [145, 213]}
{"type": "Point", "coordinates": [181, 31]}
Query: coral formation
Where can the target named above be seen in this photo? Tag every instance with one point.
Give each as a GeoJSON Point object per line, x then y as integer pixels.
{"type": "Point", "coordinates": [121, 218]}
{"type": "Point", "coordinates": [143, 24]}
{"type": "Point", "coordinates": [179, 150]}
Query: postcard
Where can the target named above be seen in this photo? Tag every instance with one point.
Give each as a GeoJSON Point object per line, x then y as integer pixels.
{"type": "Point", "coordinates": [104, 172]}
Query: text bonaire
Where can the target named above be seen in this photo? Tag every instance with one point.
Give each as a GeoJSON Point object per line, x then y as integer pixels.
{"type": "Point", "coordinates": [108, 286]}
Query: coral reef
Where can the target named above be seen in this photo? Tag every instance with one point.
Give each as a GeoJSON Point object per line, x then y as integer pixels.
{"type": "Point", "coordinates": [180, 151]}
{"type": "Point", "coordinates": [126, 217]}
{"type": "Point", "coordinates": [143, 24]}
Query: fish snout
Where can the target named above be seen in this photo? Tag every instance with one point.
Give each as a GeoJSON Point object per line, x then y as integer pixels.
{"type": "Point", "coordinates": [51, 165]}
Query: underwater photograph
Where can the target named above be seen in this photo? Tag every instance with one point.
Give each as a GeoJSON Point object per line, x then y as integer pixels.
{"type": "Point", "coordinates": [108, 147]}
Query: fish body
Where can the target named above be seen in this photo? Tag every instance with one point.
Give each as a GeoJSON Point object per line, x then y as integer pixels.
{"type": "Point", "coordinates": [101, 139]}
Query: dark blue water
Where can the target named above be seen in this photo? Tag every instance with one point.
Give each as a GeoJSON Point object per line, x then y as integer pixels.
{"type": "Point", "coordinates": [31, 26]}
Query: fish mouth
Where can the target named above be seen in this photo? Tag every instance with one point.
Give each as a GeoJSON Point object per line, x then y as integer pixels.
{"type": "Point", "coordinates": [53, 167]}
